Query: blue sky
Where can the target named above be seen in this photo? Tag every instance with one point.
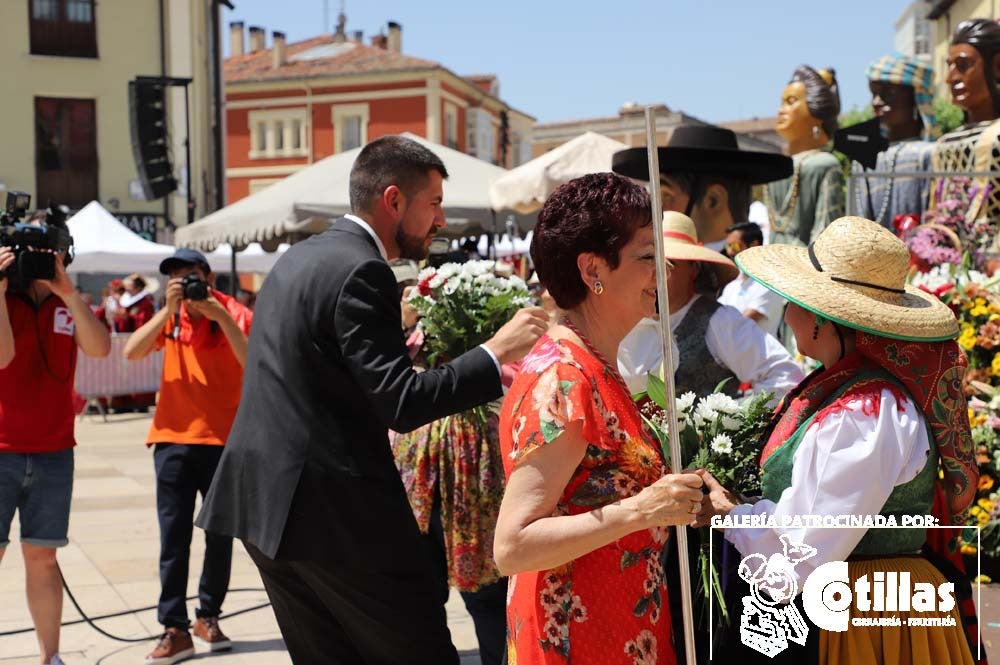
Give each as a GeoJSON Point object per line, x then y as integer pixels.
{"type": "Point", "coordinates": [561, 60]}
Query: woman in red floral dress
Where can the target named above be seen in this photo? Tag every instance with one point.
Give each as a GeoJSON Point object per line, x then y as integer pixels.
{"type": "Point", "coordinates": [588, 498]}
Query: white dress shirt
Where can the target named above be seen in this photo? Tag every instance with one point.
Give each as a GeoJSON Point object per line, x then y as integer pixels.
{"type": "Point", "coordinates": [744, 293]}
{"type": "Point", "coordinates": [848, 464]}
{"type": "Point", "coordinates": [733, 340]}
{"type": "Point", "coordinates": [363, 224]}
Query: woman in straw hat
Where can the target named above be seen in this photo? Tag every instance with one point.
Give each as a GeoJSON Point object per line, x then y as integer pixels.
{"type": "Point", "coordinates": [715, 342]}
{"type": "Point", "coordinates": [880, 429]}
{"type": "Point", "coordinates": [589, 495]}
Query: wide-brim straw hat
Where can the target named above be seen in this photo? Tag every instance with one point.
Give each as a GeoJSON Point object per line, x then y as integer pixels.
{"type": "Point", "coordinates": [854, 274]}
{"type": "Point", "coordinates": [680, 243]}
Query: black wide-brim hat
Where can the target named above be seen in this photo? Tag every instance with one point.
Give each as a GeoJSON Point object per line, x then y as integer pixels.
{"type": "Point", "coordinates": [705, 149]}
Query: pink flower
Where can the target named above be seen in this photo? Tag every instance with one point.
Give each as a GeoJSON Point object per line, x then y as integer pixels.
{"type": "Point", "coordinates": [540, 358]}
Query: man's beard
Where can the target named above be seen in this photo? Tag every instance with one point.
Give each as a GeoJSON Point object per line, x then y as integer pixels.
{"type": "Point", "coordinates": [411, 246]}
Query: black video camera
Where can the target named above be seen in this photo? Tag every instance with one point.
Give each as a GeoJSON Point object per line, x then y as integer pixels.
{"type": "Point", "coordinates": [195, 288]}
{"type": "Point", "coordinates": [34, 245]}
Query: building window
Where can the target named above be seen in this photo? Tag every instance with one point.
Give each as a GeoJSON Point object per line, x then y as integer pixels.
{"type": "Point", "coordinates": [279, 136]}
{"type": "Point", "coordinates": [450, 126]}
{"type": "Point", "coordinates": [65, 152]}
{"type": "Point", "coordinates": [278, 133]}
{"type": "Point", "coordinates": [63, 27]}
{"type": "Point", "coordinates": [481, 132]}
{"type": "Point", "coordinates": [350, 126]}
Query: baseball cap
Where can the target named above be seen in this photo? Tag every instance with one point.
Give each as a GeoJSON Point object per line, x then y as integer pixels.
{"type": "Point", "coordinates": [184, 257]}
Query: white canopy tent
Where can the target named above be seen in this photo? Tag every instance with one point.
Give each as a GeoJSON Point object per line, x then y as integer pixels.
{"type": "Point", "coordinates": [525, 188]}
{"type": "Point", "coordinates": [305, 202]}
{"type": "Point", "coordinates": [103, 244]}
{"type": "Point", "coordinates": [252, 259]}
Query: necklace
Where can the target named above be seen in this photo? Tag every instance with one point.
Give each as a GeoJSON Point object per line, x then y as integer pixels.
{"type": "Point", "coordinates": [890, 167]}
{"type": "Point", "coordinates": [783, 219]}
{"type": "Point", "coordinates": [597, 354]}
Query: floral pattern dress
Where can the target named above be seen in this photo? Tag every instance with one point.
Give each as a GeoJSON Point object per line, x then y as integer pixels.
{"type": "Point", "coordinates": [610, 605]}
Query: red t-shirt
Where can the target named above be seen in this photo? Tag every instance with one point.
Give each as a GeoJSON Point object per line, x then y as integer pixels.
{"type": "Point", "coordinates": [36, 389]}
{"type": "Point", "coordinates": [202, 379]}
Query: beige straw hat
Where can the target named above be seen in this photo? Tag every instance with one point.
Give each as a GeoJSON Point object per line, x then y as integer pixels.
{"type": "Point", "coordinates": [680, 243]}
{"type": "Point", "coordinates": [855, 274]}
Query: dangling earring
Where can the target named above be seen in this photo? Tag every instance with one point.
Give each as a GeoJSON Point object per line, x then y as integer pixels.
{"type": "Point", "coordinates": [598, 287]}
{"type": "Point", "coordinates": [815, 131]}
{"type": "Point", "coordinates": [819, 322]}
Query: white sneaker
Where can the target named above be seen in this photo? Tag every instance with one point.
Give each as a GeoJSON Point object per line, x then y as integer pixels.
{"type": "Point", "coordinates": [56, 660]}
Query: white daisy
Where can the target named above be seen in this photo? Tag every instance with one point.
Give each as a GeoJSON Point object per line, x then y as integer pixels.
{"type": "Point", "coordinates": [722, 444]}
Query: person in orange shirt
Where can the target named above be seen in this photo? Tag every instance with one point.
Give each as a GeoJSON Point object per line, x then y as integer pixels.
{"type": "Point", "coordinates": [203, 334]}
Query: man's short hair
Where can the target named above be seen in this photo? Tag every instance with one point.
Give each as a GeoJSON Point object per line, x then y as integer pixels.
{"type": "Point", "coordinates": [749, 232]}
{"type": "Point", "coordinates": [390, 160]}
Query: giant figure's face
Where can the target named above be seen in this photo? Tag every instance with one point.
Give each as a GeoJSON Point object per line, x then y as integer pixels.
{"type": "Point", "coordinates": [794, 119]}
{"type": "Point", "coordinates": [895, 107]}
{"type": "Point", "coordinates": [966, 80]}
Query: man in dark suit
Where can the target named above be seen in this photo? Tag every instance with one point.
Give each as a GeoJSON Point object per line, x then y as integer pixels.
{"type": "Point", "coordinates": [307, 479]}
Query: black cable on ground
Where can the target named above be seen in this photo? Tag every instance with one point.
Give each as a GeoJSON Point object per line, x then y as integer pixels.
{"type": "Point", "coordinates": [90, 620]}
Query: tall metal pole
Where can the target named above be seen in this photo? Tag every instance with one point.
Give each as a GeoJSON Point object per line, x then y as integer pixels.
{"type": "Point", "coordinates": [187, 156]}
{"type": "Point", "coordinates": [663, 302]}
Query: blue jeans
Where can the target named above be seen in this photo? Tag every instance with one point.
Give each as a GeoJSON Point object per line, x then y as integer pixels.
{"type": "Point", "coordinates": [39, 487]}
{"type": "Point", "coordinates": [182, 471]}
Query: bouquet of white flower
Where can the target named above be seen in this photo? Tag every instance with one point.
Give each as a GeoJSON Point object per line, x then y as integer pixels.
{"type": "Point", "coordinates": [464, 304]}
{"type": "Point", "coordinates": [721, 435]}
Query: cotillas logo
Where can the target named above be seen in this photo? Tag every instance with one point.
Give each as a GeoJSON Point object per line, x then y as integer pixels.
{"type": "Point", "coordinates": [770, 621]}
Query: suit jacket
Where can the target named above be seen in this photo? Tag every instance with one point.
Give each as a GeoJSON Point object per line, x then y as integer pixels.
{"type": "Point", "coordinates": [307, 472]}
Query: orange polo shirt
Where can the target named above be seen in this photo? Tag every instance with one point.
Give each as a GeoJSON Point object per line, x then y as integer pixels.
{"type": "Point", "coordinates": [200, 388]}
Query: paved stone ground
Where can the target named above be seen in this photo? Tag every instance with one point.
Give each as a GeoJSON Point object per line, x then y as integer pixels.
{"type": "Point", "coordinates": [111, 566]}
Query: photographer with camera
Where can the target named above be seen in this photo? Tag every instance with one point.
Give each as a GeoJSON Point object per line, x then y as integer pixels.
{"type": "Point", "coordinates": [42, 323]}
{"type": "Point", "coordinates": [204, 336]}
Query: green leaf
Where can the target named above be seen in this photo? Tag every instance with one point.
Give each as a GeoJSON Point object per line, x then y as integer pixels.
{"type": "Point", "coordinates": [718, 388]}
{"type": "Point", "coordinates": [641, 607]}
{"type": "Point", "coordinates": [657, 390]}
{"type": "Point", "coordinates": [566, 386]}
{"type": "Point", "coordinates": [629, 559]}
{"type": "Point", "coordinates": [550, 430]}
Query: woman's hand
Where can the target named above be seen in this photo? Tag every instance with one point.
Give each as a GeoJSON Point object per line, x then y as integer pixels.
{"type": "Point", "coordinates": [672, 500]}
{"type": "Point", "coordinates": [719, 500]}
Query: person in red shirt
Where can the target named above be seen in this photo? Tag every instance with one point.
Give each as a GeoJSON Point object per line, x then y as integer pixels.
{"type": "Point", "coordinates": [204, 342]}
{"type": "Point", "coordinates": [137, 302]}
{"type": "Point", "coordinates": [42, 323]}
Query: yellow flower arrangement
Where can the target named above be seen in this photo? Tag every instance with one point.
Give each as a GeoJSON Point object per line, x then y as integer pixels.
{"type": "Point", "coordinates": [967, 339]}
{"type": "Point", "coordinates": [979, 310]}
{"type": "Point", "coordinates": [983, 517]}
{"type": "Point", "coordinates": [995, 364]}
{"type": "Point", "coordinates": [986, 505]}
{"type": "Point", "coordinates": [966, 548]}
{"type": "Point", "coordinates": [985, 483]}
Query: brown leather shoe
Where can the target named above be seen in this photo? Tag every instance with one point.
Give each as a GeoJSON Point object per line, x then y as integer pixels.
{"type": "Point", "coordinates": [208, 634]}
{"type": "Point", "coordinates": [175, 645]}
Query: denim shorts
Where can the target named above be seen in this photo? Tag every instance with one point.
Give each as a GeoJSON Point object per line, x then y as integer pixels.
{"type": "Point", "coordinates": [39, 487]}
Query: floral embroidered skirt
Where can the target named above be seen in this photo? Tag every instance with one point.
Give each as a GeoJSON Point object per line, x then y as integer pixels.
{"type": "Point", "coordinates": [459, 458]}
